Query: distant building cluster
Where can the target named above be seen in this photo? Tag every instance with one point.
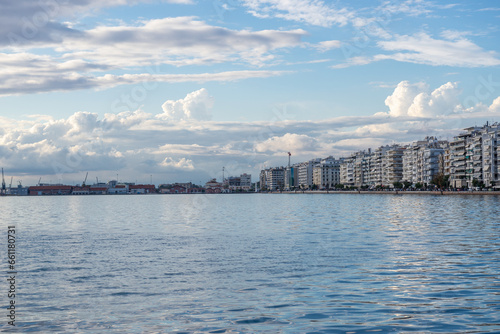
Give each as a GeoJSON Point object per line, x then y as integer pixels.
{"type": "Point", "coordinates": [243, 183]}
{"type": "Point", "coordinates": [470, 160]}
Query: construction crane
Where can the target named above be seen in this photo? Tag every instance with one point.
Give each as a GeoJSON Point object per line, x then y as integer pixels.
{"type": "Point", "coordinates": [3, 191]}
{"type": "Point", "coordinates": [83, 184]}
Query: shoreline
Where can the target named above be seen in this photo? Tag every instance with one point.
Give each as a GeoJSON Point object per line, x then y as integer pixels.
{"type": "Point", "coordinates": [391, 192]}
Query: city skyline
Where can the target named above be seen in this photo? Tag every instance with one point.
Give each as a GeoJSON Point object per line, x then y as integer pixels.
{"type": "Point", "coordinates": [177, 89]}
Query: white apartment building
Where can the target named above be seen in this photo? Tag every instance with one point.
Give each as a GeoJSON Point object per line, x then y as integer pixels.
{"type": "Point", "coordinates": [305, 173]}
{"type": "Point", "coordinates": [491, 157]}
{"type": "Point", "coordinates": [366, 168]}
{"type": "Point", "coordinates": [475, 157]}
{"type": "Point", "coordinates": [392, 165]}
{"type": "Point", "coordinates": [327, 173]}
{"type": "Point", "coordinates": [424, 159]}
{"type": "Point", "coordinates": [347, 172]}
{"type": "Point", "coordinates": [245, 181]}
{"type": "Point", "coordinates": [276, 178]}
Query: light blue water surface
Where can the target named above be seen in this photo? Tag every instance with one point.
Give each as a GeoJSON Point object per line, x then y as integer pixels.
{"type": "Point", "coordinates": [256, 263]}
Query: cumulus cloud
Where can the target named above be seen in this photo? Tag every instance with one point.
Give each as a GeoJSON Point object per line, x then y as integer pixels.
{"type": "Point", "coordinates": [403, 96]}
{"type": "Point", "coordinates": [495, 106]}
{"type": "Point", "coordinates": [415, 100]}
{"type": "Point", "coordinates": [195, 105]}
{"type": "Point", "coordinates": [138, 144]}
{"type": "Point", "coordinates": [442, 101]}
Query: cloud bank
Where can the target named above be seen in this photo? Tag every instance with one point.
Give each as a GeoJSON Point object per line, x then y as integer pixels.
{"type": "Point", "coordinates": [181, 143]}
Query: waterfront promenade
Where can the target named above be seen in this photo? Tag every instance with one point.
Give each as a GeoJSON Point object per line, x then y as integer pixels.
{"type": "Point", "coordinates": [390, 192]}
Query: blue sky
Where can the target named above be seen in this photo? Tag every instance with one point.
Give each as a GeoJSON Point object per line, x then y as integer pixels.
{"type": "Point", "coordinates": [177, 89]}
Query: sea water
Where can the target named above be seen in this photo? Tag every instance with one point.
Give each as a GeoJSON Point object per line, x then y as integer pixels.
{"type": "Point", "coordinates": [254, 263]}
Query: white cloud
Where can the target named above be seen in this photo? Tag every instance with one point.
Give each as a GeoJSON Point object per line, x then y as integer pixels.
{"type": "Point", "coordinates": [408, 7]}
{"type": "Point", "coordinates": [495, 106]}
{"type": "Point", "coordinates": [288, 142]}
{"type": "Point", "coordinates": [28, 73]}
{"type": "Point", "coordinates": [442, 101]}
{"type": "Point", "coordinates": [415, 100]}
{"type": "Point", "coordinates": [327, 45]}
{"type": "Point", "coordinates": [423, 49]}
{"type": "Point", "coordinates": [182, 163]}
{"type": "Point", "coordinates": [138, 144]}
{"type": "Point", "coordinates": [402, 97]}
{"type": "Point", "coordinates": [195, 106]}
{"type": "Point", "coordinates": [314, 12]}
{"type": "Point", "coordinates": [25, 23]}
{"type": "Point", "coordinates": [85, 59]}
{"type": "Point", "coordinates": [177, 41]}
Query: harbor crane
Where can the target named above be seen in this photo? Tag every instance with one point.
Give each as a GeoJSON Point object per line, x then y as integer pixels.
{"type": "Point", "coordinates": [83, 184]}
{"type": "Point", "coordinates": [3, 191]}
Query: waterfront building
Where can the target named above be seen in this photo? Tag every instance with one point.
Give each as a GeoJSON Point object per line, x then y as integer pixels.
{"type": "Point", "coordinates": [424, 159]}
{"type": "Point", "coordinates": [49, 190]}
{"type": "Point", "coordinates": [291, 177]}
{"type": "Point", "coordinates": [213, 186]}
{"type": "Point", "coordinates": [392, 165]}
{"type": "Point", "coordinates": [326, 174]}
{"type": "Point", "coordinates": [18, 191]}
{"type": "Point", "coordinates": [245, 181]}
{"type": "Point", "coordinates": [242, 182]}
{"type": "Point", "coordinates": [475, 158]}
{"type": "Point", "coordinates": [98, 190]}
{"type": "Point", "coordinates": [142, 189]}
{"type": "Point", "coordinates": [305, 173]}
{"type": "Point", "coordinates": [347, 172]}
{"type": "Point", "coordinates": [80, 191]}
{"type": "Point", "coordinates": [263, 179]}
{"type": "Point", "coordinates": [276, 178]}
{"type": "Point", "coordinates": [491, 156]}
{"type": "Point", "coordinates": [118, 189]}
{"type": "Point", "coordinates": [458, 163]}
{"type": "Point", "coordinates": [373, 167]}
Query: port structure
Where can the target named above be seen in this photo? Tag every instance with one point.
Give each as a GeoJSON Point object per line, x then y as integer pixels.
{"type": "Point", "coordinates": [3, 191]}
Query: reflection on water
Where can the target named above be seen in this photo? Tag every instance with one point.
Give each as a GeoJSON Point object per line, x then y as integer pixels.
{"type": "Point", "coordinates": [257, 263]}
